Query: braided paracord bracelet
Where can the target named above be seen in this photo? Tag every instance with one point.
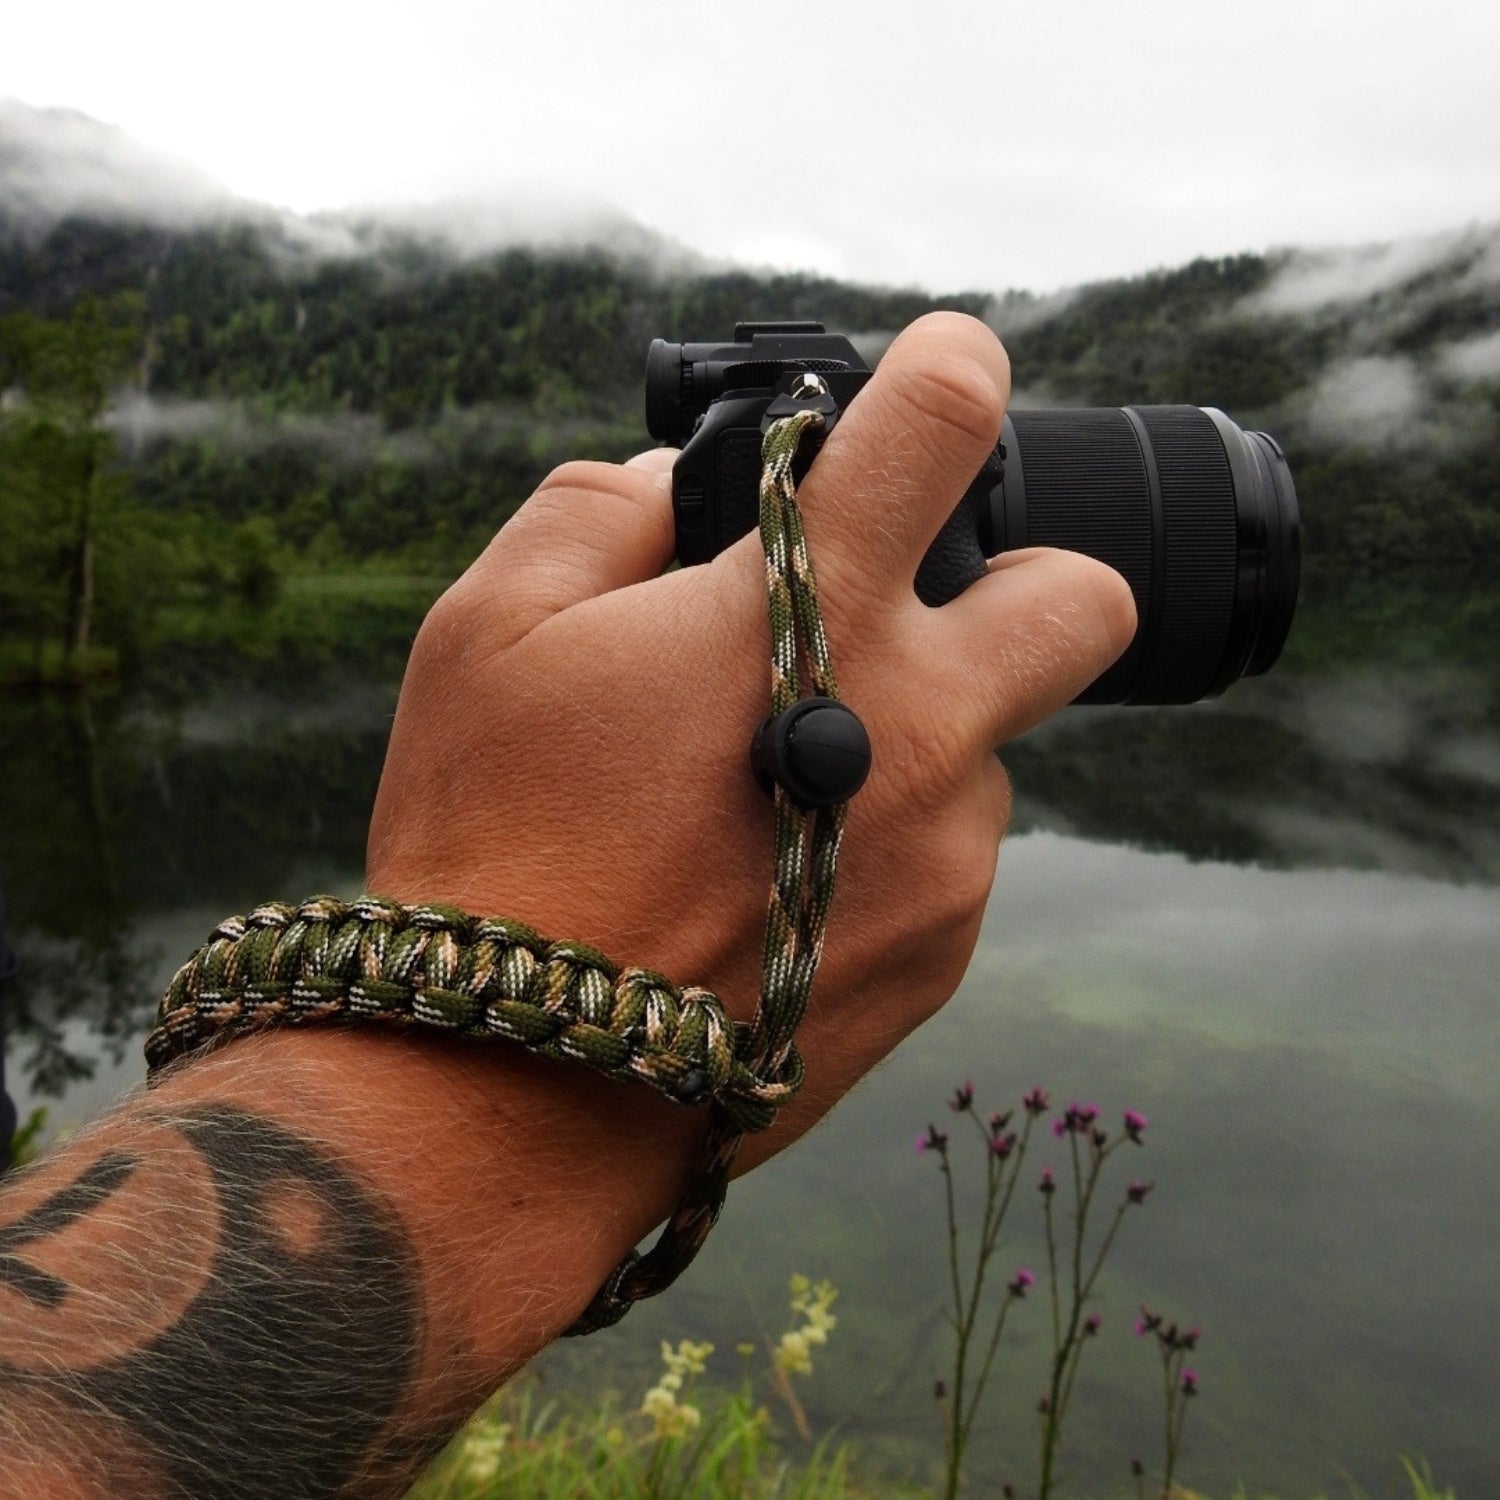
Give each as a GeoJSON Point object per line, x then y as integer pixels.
{"type": "Point", "coordinates": [434, 966]}
{"type": "Point", "coordinates": [438, 968]}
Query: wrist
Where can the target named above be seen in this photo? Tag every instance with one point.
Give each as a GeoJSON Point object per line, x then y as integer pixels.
{"type": "Point", "coordinates": [520, 1181]}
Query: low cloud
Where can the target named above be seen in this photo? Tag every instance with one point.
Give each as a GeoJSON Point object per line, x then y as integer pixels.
{"type": "Point", "coordinates": [469, 228]}
{"type": "Point", "coordinates": [349, 439]}
{"type": "Point", "coordinates": [1472, 360]}
{"type": "Point", "coordinates": [57, 162]}
{"type": "Point", "coordinates": [1016, 312]}
{"type": "Point", "coordinates": [1316, 280]}
{"type": "Point", "coordinates": [1367, 402]}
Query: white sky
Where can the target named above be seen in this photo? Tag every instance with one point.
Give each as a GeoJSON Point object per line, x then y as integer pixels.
{"type": "Point", "coordinates": [949, 143]}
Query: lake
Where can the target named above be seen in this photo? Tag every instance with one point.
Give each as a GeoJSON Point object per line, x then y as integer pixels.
{"type": "Point", "coordinates": [1270, 923]}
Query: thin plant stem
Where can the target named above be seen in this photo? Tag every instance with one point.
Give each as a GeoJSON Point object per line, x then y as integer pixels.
{"type": "Point", "coordinates": [962, 1322]}
{"type": "Point", "coordinates": [1169, 1455]}
{"type": "Point", "coordinates": [997, 1176]}
{"type": "Point", "coordinates": [1067, 1346]}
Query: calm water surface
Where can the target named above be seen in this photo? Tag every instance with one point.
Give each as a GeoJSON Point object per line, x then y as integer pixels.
{"type": "Point", "coordinates": [1271, 924]}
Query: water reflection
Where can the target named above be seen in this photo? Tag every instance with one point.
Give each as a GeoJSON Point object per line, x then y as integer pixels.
{"type": "Point", "coordinates": [1316, 1052]}
{"type": "Point", "coordinates": [1379, 768]}
{"type": "Point", "coordinates": [118, 813]}
{"type": "Point", "coordinates": [1316, 1044]}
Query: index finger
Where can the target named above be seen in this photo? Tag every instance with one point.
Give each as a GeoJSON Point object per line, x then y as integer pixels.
{"type": "Point", "coordinates": [903, 454]}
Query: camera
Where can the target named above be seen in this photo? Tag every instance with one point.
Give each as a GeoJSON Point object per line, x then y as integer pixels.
{"type": "Point", "coordinates": [1199, 515]}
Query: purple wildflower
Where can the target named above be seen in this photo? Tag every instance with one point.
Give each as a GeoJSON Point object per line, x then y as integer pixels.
{"type": "Point", "coordinates": [1135, 1123]}
{"type": "Point", "coordinates": [1148, 1322]}
{"type": "Point", "coordinates": [933, 1140]}
{"type": "Point", "coordinates": [1189, 1382]}
{"type": "Point", "coordinates": [1003, 1145]}
{"type": "Point", "coordinates": [939, 1388]}
{"type": "Point", "coordinates": [1020, 1281]}
{"type": "Point", "coordinates": [1047, 1183]}
{"type": "Point", "coordinates": [1092, 1325]}
{"type": "Point", "coordinates": [1136, 1192]}
{"type": "Point", "coordinates": [1036, 1102]}
{"type": "Point", "coordinates": [1076, 1120]}
{"type": "Point", "coordinates": [999, 1120]}
{"type": "Point", "coordinates": [963, 1098]}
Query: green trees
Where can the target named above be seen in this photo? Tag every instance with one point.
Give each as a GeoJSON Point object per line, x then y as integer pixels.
{"type": "Point", "coordinates": [61, 489]}
{"type": "Point", "coordinates": [384, 410]}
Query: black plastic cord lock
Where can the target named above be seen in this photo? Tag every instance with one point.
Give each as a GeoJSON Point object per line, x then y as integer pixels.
{"type": "Point", "coordinates": [817, 749]}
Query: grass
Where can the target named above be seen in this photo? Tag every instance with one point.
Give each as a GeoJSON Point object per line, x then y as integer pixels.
{"type": "Point", "coordinates": [683, 1441]}
{"type": "Point", "coordinates": [525, 1445]}
{"type": "Point", "coordinates": [27, 1141]}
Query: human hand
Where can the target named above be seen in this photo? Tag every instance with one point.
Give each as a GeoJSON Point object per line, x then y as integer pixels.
{"type": "Point", "coordinates": [570, 748]}
{"type": "Point", "coordinates": [571, 744]}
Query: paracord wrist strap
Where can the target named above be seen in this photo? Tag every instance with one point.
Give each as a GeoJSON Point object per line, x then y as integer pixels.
{"type": "Point", "coordinates": [439, 967]}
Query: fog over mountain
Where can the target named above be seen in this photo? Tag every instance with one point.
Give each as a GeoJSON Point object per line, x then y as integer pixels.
{"type": "Point", "coordinates": [57, 164]}
{"type": "Point", "coordinates": [410, 336]}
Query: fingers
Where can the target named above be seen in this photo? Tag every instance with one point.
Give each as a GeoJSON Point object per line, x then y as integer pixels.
{"type": "Point", "coordinates": [1029, 637]}
{"type": "Point", "coordinates": [903, 454]}
{"type": "Point", "coordinates": [589, 529]}
{"type": "Point", "coordinates": [657, 460]}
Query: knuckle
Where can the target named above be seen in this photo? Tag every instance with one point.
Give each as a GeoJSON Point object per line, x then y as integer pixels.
{"type": "Point", "coordinates": [964, 871]}
{"type": "Point", "coordinates": [445, 620]}
{"type": "Point", "coordinates": [955, 398]}
{"type": "Point", "coordinates": [588, 505]}
{"type": "Point", "coordinates": [446, 633]}
{"type": "Point", "coordinates": [1115, 606]}
{"type": "Point", "coordinates": [581, 475]}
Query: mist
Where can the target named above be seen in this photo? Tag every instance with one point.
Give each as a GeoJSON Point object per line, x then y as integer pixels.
{"type": "Point", "coordinates": [57, 162]}
{"type": "Point", "coordinates": [352, 440]}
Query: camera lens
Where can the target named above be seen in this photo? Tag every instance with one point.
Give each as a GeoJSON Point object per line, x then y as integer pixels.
{"type": "Point", "coordinates": [1198, 515]}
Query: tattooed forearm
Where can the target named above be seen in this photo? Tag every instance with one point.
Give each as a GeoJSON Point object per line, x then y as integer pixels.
{"type": "Point", "coordinates": [295, 1267]}
{"type": "Point", "coordinates": [217, 1297]}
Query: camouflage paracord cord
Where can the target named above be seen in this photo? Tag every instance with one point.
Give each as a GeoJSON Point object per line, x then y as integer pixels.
{"type": "Point", "coordinates": [433, 965]}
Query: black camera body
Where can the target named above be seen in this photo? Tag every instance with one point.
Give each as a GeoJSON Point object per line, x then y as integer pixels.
{"type": "Point", "coordinates": [1198, 515]}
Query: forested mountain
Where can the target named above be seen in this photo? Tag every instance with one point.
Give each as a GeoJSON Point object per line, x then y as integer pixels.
{"type": "Point", "coordinates": [335, 393]}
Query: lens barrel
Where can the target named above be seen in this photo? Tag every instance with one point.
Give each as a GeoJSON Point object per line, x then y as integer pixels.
{"type": "Point", "coordinates": [1198, 515]}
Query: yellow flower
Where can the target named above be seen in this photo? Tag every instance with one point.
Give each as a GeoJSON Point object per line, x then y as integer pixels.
{"type": "Point", "coordinates": [482, 1449]}
{"type": "Point", "coordinates": [810, 1304]}
{"type": "Point", "coordinates": [792, 1356]}
{"type": "Point", "coordinates": [669, 1416]}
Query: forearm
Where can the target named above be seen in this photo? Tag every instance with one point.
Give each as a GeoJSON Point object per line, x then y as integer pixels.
{"type": "Point", "coordinates": [294, 1268]}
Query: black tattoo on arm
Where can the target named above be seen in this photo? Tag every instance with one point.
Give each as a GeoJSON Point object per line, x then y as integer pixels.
{"type": "Point", "coordinates": [255, 1337]}
{"type": "Point", "coordinates": [92, 1187]}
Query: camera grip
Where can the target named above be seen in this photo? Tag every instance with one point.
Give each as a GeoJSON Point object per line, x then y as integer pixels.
{"type": "Point", "coordinates": [956, 559]}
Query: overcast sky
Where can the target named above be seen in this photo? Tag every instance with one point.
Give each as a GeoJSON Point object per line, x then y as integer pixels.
{"type": "Point", "coordinates": [948, 143]}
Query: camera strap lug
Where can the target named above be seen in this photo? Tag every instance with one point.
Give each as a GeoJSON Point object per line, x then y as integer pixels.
{"type": "Point", "coordinates": [800, 391]}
